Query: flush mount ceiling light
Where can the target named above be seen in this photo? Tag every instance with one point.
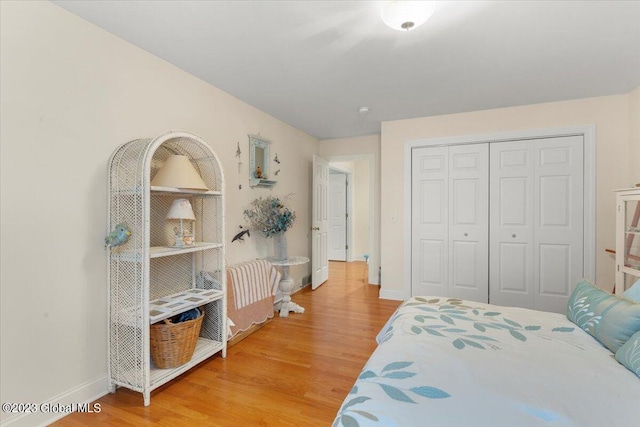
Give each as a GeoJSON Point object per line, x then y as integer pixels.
{"type": "Point", "coordinates": [406, 15]}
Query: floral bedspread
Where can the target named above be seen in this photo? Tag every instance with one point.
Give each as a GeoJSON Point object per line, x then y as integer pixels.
{"type": "Point", "coordinates": [448, 362]}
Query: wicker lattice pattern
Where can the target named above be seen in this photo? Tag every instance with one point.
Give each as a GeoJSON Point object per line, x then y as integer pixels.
{"type": "Point", "coordinates": [146, 268]}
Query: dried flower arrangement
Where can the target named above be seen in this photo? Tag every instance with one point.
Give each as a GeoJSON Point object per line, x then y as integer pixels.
{"type": "Point", "coordinates": [270, 215]}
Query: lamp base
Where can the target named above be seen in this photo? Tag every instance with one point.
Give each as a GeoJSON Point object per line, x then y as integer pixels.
{"type": "Point", "coordinates": [183, 241]}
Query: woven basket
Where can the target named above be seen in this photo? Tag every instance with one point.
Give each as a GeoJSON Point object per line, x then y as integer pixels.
{"type": "Point", "coordinates": [172, 344]}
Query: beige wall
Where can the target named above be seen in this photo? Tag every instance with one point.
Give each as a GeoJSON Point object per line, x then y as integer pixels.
{"type": "Point", "coordinates": [609, 114]}
{"type": "Point", "coordinates": [70, 94]}
{"type": "Point", "coordinates": [361, 223]}
{"type": "Point", "coordinates": [359, 148]}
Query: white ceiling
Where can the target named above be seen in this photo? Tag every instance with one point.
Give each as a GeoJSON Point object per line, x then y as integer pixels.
{"type": "Point", "coordinates": [313, 64]}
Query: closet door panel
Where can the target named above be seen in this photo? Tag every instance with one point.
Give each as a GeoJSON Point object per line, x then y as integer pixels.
{"type": "Point", "coordinates": [511, 224]}
{"type": "Point", "coordinates": [429, 221]}
{"type": "Point", "coordinates": [513, 190]}
{"type": "Point", "coordinates": [554, 270]}
{"type": "Point", "coordinates": [464, 276]}
{"type": "Point", "coordinates": [513, 267]}
{"type": "Point", "coordinates": [558, 217]}
{"type": "Point", "coordinates": [468, 222]}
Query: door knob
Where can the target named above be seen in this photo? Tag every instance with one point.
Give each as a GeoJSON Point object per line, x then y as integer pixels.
{"type": "Point", "coordinates": [513, 235]}
{"type": "Point", "coordinates": [466, 234]}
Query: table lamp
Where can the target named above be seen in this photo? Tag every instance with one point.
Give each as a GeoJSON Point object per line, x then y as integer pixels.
{"type": "Point", "coordinates": [181, 209]}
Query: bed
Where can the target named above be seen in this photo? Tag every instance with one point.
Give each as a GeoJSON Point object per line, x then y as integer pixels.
{"type": "Point", "coordinates": [449, 362]}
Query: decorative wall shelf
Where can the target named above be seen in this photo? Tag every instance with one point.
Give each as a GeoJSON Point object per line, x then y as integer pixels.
{"type": "Point", "coordinates": [254, 182]}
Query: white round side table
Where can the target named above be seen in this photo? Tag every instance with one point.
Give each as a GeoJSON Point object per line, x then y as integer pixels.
{"type": "Point", "coordinates": [286, 283]}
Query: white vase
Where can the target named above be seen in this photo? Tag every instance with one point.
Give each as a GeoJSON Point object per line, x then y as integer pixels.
{"type": "Point", "coordinates": [280, 246]}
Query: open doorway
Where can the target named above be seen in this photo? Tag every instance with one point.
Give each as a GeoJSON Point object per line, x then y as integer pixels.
{"type": "Point", "coordinates": [339, 206]}
{"type": "Point", "coordinates": [350, 209]}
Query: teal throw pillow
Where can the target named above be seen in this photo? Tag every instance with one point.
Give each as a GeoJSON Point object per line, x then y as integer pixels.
{"type": "Point", "coordinates": [609, 319]}
{"type": "Point", "coordinates": [633, 293]}
{"type": "Point", "coordinates": [629, 354]}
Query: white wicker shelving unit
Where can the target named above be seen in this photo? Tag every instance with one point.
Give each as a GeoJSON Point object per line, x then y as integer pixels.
{"type": "Point", "coordinates": [148, 279]}
{"type": "Point", "coordinates": [627, 238]}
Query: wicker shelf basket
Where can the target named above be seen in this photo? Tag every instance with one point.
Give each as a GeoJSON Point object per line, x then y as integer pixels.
{"type": "Point", "coordinates": [172, 344]}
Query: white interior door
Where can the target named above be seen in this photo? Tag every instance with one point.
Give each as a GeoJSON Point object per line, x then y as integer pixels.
{"type": "Point", "coordinates": [537, 246]}
{"type": "Point", "coordinates": [337, 217]}
{"type": "Point", "coordinates": [429, 221]}
{"type": "Point", "coordinates": [450, 221]}
{"type": "Point", "coordinates": [558, 218]}
{"type": "Point", "coordinates": [319, 222]}
{"type": "Point", "coordinates": [511, 224]}
{"type": "Point", "coordinates": [469, 222]}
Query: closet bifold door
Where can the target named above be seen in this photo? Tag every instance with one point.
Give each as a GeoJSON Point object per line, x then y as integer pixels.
{"type": "Point", "coordinates": [429, 221]}
{"type": "Point", "coordinates": [450, 222]}
{"type": "Point", "coordinates": [511, 223]}
{"type": "Point", "coordinates": [469, 222]}
{"type": "Point", "coordinates": [536, 222]}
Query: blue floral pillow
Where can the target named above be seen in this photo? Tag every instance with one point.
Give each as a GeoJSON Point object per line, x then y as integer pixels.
{"type": "Point", "coordinates": [629, 354]}
{"type": "Point", "coordinates": [609, 319]}
{"type": "Point", "coordinates": [633, 293]}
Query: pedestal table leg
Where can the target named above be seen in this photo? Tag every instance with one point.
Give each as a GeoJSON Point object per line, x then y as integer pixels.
{"type": "Point", "coordinates": [286, 287]}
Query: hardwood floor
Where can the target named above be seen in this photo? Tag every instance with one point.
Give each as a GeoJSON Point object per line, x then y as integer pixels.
{"type": "Point", "coordinates": [294, 371]}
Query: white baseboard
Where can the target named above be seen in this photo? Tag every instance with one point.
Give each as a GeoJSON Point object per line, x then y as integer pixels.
{"type": "Point", "coordinates": [393, 295]}
{"type": "Point", "coordinates": [58, 407]}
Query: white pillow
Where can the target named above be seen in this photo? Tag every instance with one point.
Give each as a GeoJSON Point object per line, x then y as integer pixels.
{"type": "Point", "coordinates": [633, 293]}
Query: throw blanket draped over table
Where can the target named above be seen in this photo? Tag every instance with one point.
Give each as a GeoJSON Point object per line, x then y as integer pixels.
{"type": "Point", "coordinates": [253, 281]}
{"type": "Point", "coordinates": [250, 294]}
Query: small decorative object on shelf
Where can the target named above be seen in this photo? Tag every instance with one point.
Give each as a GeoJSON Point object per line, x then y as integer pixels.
{"type": "Point", "coordinates": [181, 209]}
{"type": "Point", "coordinates": [118, 236]}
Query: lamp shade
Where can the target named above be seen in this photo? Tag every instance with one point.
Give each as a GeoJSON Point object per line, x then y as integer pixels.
{"type": "Point", "coordinates": [177, 171]}
{"type": "Point", "coordinates": [181, 209]}
{"type": "Point", "coordinates": [406, 15]}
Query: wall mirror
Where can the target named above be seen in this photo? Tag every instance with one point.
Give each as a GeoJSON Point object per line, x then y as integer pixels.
{"type": "Point", "coordinates": [259, 172]}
